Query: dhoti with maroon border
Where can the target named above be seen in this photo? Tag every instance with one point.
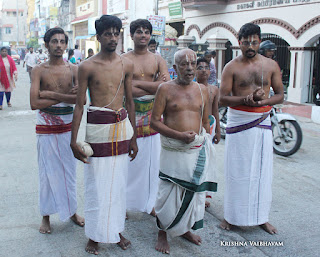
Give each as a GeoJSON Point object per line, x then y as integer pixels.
{"type": "Point", "coordinates": [57, 166]}
{"type": "Point", "coordinates": [248, 166]}
{"type": "Point", "coordinates": [109, 133]}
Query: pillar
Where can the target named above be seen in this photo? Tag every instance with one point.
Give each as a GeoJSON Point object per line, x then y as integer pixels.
{"type": "Point", "coordinates": [218, 44]}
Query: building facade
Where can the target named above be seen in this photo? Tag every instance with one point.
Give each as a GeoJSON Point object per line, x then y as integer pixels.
{"type": "Point", "coordinates": [294, 25]}
{"type": "Point", "coordinates": [13, 23]}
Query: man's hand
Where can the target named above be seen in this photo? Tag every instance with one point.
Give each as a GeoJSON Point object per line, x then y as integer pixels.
{"type": "Point", "coordinates": [217, 137]}
{"type": "Point", "coordinates": [73, 90]}
{"type": "Point", "coordinates": [46, 94]}
{"type": "Point", "coordinates": [133, 149]}
{"type": "Point", "coordinates": [78, 153]}
{"type": "Point", "coordinates": [258, 94]}
{"type": "Point", "coordinates": [162, 77]}
{"type": "Point", "coordinates": [251, 102]}
{"type": "Point", "coordinates": [188, 136]}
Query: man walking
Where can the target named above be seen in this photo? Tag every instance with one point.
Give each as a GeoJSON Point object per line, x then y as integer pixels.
{"type": "Point", "coordinates": [110, 134]}
{"type": "Point", "coordinates": [245, 87]}
{"type": "Point", "coordinates": [31, 59]}
{"type": "Point", "coordinates": [53, 93]}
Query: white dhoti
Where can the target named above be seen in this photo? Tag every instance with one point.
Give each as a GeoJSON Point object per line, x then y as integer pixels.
{"type": "Point", "coordinates": [57, 166]}
{"type": "Point", "coordinates": [105, 181]}
{"type": "Point", "coordinates": [248, 167]}
{"type": "Point", "coordinates": [108, 133]}
{"type": "Point", "coordinates": [143, 175]}
{"type": "Point", "coordinates": [143, 171]}
{"type": "Point", "coordinates": [187, 171]}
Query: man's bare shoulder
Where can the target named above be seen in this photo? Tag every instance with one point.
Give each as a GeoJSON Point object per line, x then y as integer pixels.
{"type": "Point", "coordinates": [166, 85]}
{"type": "Point", "coordinates": [87, 64]}
{"type": "Point", "coordinates": [268, 62]}
{"type": "Point", "coordinates": [129, 55]}
{"type": "Point", "coordinates": [73, 67]}
{"type": "Point", "coordinates": [127, 61]}
{"type": "Point", "coordinates": [213, 90]}
{"type": "Point", "coordinates": [204, 88]}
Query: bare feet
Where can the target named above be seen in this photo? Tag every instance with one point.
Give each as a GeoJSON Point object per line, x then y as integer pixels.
{"type": "Point", "coordinates": [207, 204]}
{"type": "Point", "coordinates": [269, 228]}
{"type": "Point", "coordinates": [124, 243]}
{"type": "Point", "coordinates": [77, 220]}
{"type": "Point", "coordinates": [45, 225]}
{"type": "Point", "coordinates": [92, 247]}
{"type": "Point", "coordinates": [162, 245]}
{"type": "Point", "coordinates": [153, 212]}
{"type": "Point", "coordinates": [192, 238]}
{"type": "Point", "coordinates": [225, 225]}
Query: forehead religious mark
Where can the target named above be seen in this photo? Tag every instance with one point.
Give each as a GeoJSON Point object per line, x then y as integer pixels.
{"type": "Point", "coordinates": [192, 57]}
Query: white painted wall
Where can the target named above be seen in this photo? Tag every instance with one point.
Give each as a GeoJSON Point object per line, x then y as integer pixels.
{"type": "Point", "coordinates": [296, 14]}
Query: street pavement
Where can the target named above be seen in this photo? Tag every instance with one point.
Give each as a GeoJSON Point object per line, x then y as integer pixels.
{"type": "Point", "coordinates": [294, 211]}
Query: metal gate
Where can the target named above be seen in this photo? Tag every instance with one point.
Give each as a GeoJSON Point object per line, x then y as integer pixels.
{"type": "Point", "coordinates": [228, 53]}
{"type": "Point", "coordinates": [314, 95]}
{"type": "Point", "coordinates": [282, 56]}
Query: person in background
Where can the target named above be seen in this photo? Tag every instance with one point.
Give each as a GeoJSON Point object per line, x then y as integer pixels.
{"type": "Point", "coordinates": [209, 56]}
{"type": "Point", "coordinates": [8, 72]}
{"type": "Point", "coordinates": [268, 49]}
{"type": "Point", "coordinates": [77, 54]}
{"type": "Point", "coordinates": [31, 59]}
{"type": "Point", "coordinates": [152, 46]}
{"type": "Point", "coordinates": [42, 56]}
{"type": "Point", "coordinates": [90, 53]}
{"type": "Point", "coordinates": [71, 57]}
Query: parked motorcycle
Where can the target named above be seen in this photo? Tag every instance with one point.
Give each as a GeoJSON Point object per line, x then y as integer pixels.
{"type": "Point", "coordinates": [287, 133]}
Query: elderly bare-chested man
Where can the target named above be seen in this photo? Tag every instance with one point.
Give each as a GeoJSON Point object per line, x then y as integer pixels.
{"type": "Point", "coordinates": [245, 87]}
{"type": "Point", "coordinates": [186, 162]}
{"type": "Point", "coordinates": [150, 70]}
{"type": "Point", "coordinates": [53, 92]}
{"type": "Point", "coordinates": [110, 135]}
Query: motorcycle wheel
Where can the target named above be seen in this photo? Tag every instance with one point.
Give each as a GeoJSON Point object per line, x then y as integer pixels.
{"type": "Point", "coordinates": [290, 139]}
{"type": "Point", "coordinates": [223, 121]}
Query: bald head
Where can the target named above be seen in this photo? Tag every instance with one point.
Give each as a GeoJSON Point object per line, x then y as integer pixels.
{"type": "Point", "coordinates": [186, 53]}
{"type": "Point", "coordinates": [185, 62]}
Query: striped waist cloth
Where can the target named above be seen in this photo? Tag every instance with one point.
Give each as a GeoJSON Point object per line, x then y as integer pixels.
{"type": "Point", "coordinates": [58, 110]}
{"type": "Point", "coordinates": [53, 129]}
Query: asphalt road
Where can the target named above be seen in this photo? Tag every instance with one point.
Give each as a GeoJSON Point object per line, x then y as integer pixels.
{"type": "Point", "coordinates": [295, 208]}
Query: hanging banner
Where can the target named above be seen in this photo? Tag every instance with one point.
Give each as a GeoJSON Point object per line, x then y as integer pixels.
{"type": "Point", "coordinates": [158, 24]}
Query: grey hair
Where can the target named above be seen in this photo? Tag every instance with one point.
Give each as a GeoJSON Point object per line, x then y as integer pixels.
{"type": "Point", "coordinates": [180, 53]}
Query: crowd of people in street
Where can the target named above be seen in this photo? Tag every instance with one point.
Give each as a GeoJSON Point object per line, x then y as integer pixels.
{"type": "Point", "coordinates": [167, 127]}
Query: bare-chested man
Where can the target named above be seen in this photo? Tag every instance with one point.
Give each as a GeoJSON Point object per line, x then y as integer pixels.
{"type": "Point", "coordinates": [202, 76]}
{"type": "Point", "coordinates": [110, 135]}
{"type": "Point", "coordinates": [186, 154]}
{"type": "Point", "coordinates": [150, 70]}
{"type": "Point", "coordinates": [245, 87]}
{"type": "Point", "coordinates": [53, 92]}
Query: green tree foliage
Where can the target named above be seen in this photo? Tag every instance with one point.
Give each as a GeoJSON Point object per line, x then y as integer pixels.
{"type": "Point", "coordinates": [33, 42]}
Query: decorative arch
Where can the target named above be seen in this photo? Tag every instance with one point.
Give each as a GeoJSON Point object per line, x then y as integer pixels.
{"type": "Point", "coordinates": [274, 21]}
{"type": "Point", "coordinates": [211, 26]}
{"type": "Point", "coordinates": [295, 32]}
